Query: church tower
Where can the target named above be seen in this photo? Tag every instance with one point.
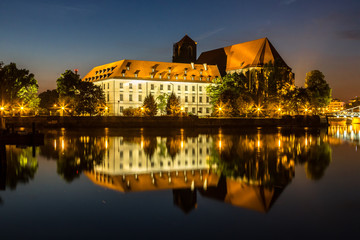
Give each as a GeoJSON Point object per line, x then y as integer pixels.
{"type": "Point", "coordinates": [184, 51]}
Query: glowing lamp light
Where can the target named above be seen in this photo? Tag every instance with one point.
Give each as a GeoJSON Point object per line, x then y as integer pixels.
{"type": "Point", "coordinates": [2, 108]}
{"type": "Point", "coordinates": [182, 108]}
{"type": "Point", "coordinates": [220, 108]}
{"type": "Point", "coordinates": [279, 109]}
{"type": "Point", "coordinates": [306, 109]}
{"type": "Point", "coordinates": [55, 105]}
{"type": "Point", "coordinates": [106, 108]}
{"type": "Point", "coordinates": [62, 108]}
{"type": "Point", "coordinates": [22, 108]}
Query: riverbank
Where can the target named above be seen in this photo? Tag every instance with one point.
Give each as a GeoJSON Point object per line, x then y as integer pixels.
{"type": "Point", "coordinates": [164, 122]}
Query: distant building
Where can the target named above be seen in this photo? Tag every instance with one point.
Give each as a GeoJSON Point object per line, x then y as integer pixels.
{"type": "Point", "coordinates": [126, 83]}
{"type": "Point", "coordinates": [336, 105]}
{"type": "Point", "coordinates": [251, 58]}
{"type": "Point", "coordinates": [354, 102]}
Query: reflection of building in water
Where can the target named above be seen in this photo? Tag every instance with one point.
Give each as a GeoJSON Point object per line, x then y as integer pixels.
{"type": "Point", "coordinates": [247, 171]}
{"type": "Point", "coordinates": [2, 167]}
{"type": "Point", "coordinates": [344, 133]}
{"type": "Point", "coordinates": [137, 155]}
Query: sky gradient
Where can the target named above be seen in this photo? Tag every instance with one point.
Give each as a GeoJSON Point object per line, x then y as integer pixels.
{"type": "Point", "coordinates": [49, 37]}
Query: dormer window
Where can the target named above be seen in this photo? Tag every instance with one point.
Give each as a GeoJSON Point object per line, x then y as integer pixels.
{"type": "Point", "coordinates": [192, 65]}
{"type": "Point", "coordinates": [169, 69]}
{"type": "Point", "coordinates": [184, 76]}
{"type": "Point", "coordinates": [201, 72]}
{"type": "Point", "coordinates": [185, 70]}
{"type": "Point", "coordinates": [123, 72]}
{"type": "Point", "coordinates": [192, 77]}
{"type": "Point", "coordinates": [177, 76]}
{"type": "Point", "coordinates": [128, 66]}
{"type": "Point", "coordinates": [152, 75]}
{"type": "Point", "coordinates": [100, 71]}
{"type": "Point", "coordinates": [96, 72]}
{"type": "Point", "coordinates": [137, 73]}
{"type": "Point", "coordinates": [201, 77]}
{"type": "Point", "coordinates": [153, 69]}
{"type": "Point", "coordinates": [169, 76]}
{"type": "Point", "coordinates": [160, 76]}
{"type": "Point", "coordinates": [112, 69]}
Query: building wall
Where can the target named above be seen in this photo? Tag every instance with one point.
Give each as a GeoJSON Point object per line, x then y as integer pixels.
{"type": "Point", "coordinates": [130, 93]}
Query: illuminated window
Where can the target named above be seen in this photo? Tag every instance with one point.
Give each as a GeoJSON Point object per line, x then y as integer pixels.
{"type": "Point", "coordinates": [160, 76]}
{"type": "Point", "coordinates": [185, 71]}
{"type": "Point", "coordinates": [169, 76]}
{"type": "Point", "coordinates": [192, 77]}
{"type": "Point", "coordinates": [130, 97]}
{"type": "Point", "coordinates": [184, 77]}
{"type": "Point", "coordinates": [169, 69]}
{"type": "Point", "coordinates": [176, 76]}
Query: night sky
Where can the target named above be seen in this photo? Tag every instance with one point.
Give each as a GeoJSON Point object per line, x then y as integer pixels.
{"type": "Point", "coordinates": [48, 37]}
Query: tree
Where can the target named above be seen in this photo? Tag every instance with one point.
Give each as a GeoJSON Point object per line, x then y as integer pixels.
{"type": "Point", "coordinates": [88, 98]}
{"type": "Point", "coordinates": [318, 89]}
{"type": "Point", "coordinates": [17, 85]}
{"type": "Point", "coordinates": [68, 83]}
{"type": "Point", "coordinates": [150, 106]}
{"type": "Point", "coordinates": [48, 98]}
{"type": "Point", "coordinates": [173, 105]}
{"type": "Point", "coordinates": [28, 95]}
{"type": "Point", "coordinates": [84, 97]}
{"type": "Point", "coordinates": [162, 101]}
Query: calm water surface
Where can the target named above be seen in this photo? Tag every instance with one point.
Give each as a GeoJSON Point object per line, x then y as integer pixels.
{"type": "Point", "coordinates": [183, 184]}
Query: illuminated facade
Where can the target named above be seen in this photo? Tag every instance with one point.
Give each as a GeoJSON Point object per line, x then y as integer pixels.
{"type": "Point", "coordinates": [336, 105]}
{"type": "Point", "coordinates": [126, 83]}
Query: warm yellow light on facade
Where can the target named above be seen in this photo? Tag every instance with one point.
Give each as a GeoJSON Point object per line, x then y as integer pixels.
{"type": "Point", "coordinates": [182, 108]}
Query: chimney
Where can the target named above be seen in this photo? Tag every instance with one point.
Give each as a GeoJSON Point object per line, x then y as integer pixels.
{"type": "Point", "coordinates": [205, 66]}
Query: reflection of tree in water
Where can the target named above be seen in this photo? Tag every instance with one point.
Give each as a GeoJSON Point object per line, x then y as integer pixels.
{"type": "Point", "coordinates": [75, 154]}
{"type": "Point", "coordinates": [21, 166]}
{"type": "Point", "coordinates": [173, 146]}
{"type": "Point", "coordinates": [318, 159]}
{"type": "Point", "coordinates": [150, 145]}
{"type": "Point", "coordinates": [270, 158]}
{"type": "Point", "coordinates": [253, 158]}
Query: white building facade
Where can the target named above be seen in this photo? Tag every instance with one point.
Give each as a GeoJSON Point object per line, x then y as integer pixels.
{"type": "Point", "coordinates": [126, 83]}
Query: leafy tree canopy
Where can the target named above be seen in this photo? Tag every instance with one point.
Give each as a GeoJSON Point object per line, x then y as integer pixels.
{"type": "Point", "coordinates": [173, 105]}
{"type": "Point", "coordinates": [318, 89]}
{"type": "Point", "coordinates": [17, 85]}
{"type": "Point", "coordinates": [150, 106]}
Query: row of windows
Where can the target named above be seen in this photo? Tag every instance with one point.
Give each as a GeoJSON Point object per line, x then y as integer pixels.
{"type": "Point", "coordinates": [193, 140]}
{"type": "Point", "coordinates": [186, 152]}
{"type": "Point", "coordinates": [193, 110]}
{"type": "Point", "coordinates": [161, 164]}
{"type": "Point", "coordinates": [152, 87]}
{"type": "Point", "coordinates": [140, 99]}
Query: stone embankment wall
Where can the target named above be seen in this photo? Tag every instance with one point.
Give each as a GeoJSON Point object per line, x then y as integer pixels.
{"type": "Point", "coordinates": [165, 122]}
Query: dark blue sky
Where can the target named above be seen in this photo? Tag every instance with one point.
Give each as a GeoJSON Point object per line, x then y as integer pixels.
{"type": "Point", "coordinates": [48, 37]}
